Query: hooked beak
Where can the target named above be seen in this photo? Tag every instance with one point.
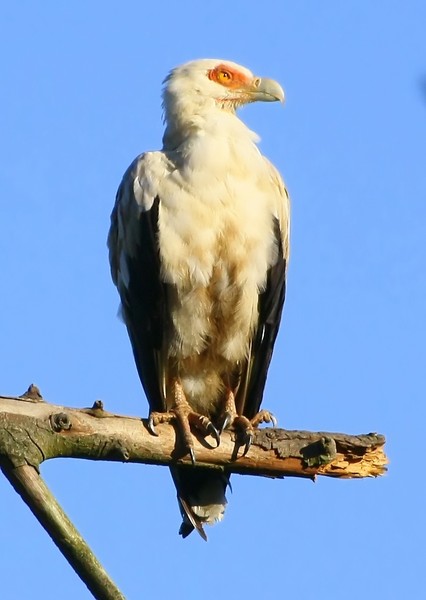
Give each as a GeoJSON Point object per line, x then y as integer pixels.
{"type": "Point", "coordinates": [265, 90]}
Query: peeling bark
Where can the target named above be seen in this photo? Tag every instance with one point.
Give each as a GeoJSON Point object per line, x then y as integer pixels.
{"type": "Point", "coordinates": [33, 431]}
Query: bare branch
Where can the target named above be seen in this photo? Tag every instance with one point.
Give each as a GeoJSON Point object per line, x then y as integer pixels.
{"type": "Point", "coordinates": [37, 431]}
{"type": "Point", "coordinates": [32, 430]}
{"type": "Point", "coordinates": [33, 490]}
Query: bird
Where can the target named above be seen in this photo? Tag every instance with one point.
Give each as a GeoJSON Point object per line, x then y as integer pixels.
{"type": "Point", "coordinates": [198, 249]}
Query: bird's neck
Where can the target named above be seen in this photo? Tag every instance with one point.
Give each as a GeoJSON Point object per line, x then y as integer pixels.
{"type": "Point", "coordinates": [185, 125]}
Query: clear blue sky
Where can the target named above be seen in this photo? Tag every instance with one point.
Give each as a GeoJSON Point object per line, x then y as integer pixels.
{"type": "Point", "coordinates": [80, 98]}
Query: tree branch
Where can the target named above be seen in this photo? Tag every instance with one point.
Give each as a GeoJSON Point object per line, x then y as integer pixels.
{"type": "Point", "coordinates": [35, 493]}
{"type": "Point", "coordinates": [32, 430]}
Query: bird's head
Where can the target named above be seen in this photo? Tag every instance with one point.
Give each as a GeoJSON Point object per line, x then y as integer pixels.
{"type": "Point", "coordinates": [202, 85]}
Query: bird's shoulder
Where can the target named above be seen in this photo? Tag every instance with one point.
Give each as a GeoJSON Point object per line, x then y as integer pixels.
{"type": "Point", "coordinates": [281, 204]}
{"type": "Point", "coordinates": [142, 180]}
{"type": "Point", "coordinates": [136, 195]}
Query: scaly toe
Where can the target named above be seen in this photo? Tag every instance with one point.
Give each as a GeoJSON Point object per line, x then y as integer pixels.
{"type": "Point", "coordinates": [263, 416]}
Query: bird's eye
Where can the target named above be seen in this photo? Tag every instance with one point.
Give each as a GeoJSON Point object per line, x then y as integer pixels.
{"type": "Point", "coordinates": [221, 75]}
{"type": "Point", "coordinates": [224, 76]}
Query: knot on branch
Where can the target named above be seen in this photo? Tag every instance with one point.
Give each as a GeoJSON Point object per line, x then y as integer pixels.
{"type": "Point", "coordinates": [320, 452]}
{"type": "Point", "coordinates": [60, 422]}
{"type": "Point", "coordinates": [119, 450]}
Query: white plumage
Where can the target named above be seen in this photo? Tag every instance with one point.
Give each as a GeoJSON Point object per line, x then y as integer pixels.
{"type": "Point", "coordinates": [198, 248]}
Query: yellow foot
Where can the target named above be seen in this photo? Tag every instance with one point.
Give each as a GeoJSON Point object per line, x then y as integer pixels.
{"type": "Point", "coordinates": [243, 426]}
{"type": "Point", "coordinates": [185, 418]}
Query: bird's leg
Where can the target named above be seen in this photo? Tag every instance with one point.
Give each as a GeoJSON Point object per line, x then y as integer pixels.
{"type": "Point", "coordinates": [242, 425]}
{"type": "Point", "coordinates": [182, 410]}
{"type": "Point", "coordinates": [245, 427]}
{"type": "Point", "coordinates": [230, 411]}
{"type": "Point", "coordinates": [186, 418]}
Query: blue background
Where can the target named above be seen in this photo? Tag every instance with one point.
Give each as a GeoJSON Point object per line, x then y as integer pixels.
{"type": "Point", "coordinates": [80, 98]}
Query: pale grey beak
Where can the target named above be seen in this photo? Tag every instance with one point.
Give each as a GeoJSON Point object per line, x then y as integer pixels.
{"type": "Point", "coordinates": [266, 90]}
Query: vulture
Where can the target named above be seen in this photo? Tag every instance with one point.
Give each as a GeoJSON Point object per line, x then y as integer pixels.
{"type": "Point", "coordinates": [198, 247]}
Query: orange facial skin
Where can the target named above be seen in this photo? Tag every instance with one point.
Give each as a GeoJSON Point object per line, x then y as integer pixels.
{"type": "Point", "coordinates": [229, 77]}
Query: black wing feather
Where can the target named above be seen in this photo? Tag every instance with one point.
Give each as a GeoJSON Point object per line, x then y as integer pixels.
{"type": "Point", "coordinates": [143, 307]}
{"type": "Point", "coordinates": [143, 295]}
{"type": "Point", "coordinates": [271, 302]}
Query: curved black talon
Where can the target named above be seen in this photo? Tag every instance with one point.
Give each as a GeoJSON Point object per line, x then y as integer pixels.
{"type": "Point", "coordinates": [226, 421]}
{"type": "Point", "coordinates": [250, 437]}
{"type": "Point", "coordinates": [192, 455]}
{"type": "Point", "coordinates": [151, 427]}
{"type": "Point", "coordinates": [214, 433]}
